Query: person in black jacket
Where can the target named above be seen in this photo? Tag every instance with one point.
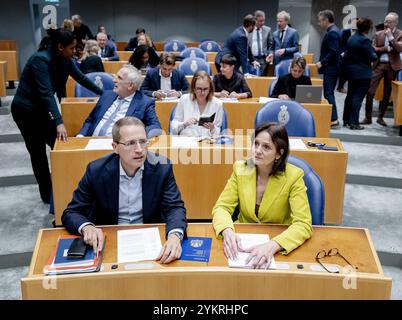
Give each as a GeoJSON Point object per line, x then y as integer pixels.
{"type": "Point", "coordinates": [35, 108]}
{"type": "Point", "coordinates": [144, 58]}
{"type": "Point", "coordinates": [357, 69]}
{"type": "Point", "coordinates": [81, 31]}
{"type": "Point", "coordinates": [285, 88]}
{"type": "Point", "coordinates": [91, 62]}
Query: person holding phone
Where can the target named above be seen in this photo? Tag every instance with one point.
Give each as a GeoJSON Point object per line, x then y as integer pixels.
{"type": "Point", "coordinates": [200, 103]}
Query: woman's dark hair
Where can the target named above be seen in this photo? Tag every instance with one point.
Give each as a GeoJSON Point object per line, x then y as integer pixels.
{"type": "Point", "coordinates": [229, 59]}
{"type": "Point", "coordinates": [280, 139]}
{"type": "Point", "coordinates": [140, 30]}
{"type": "Point", "coordinates": [136, 57]}
{"type": "Point", "coordinates": [55, 37]}
{"type": "Point", "coordinates": [364, 25]}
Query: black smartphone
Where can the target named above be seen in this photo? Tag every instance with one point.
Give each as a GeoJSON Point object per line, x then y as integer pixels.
{"type": "Point", "coordinates": [77, 249]}
{"type": "Point", "coordinates": [315, 144]}
{"type": "Point", "coordinates": [328, 148]}
{"type": "Point", "coordinates": [206, 120]}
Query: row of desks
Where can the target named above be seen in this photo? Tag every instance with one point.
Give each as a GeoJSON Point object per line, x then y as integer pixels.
{"type": "Point", "coordinates": [209, 165]}
{"type": "Point", "coordinates": [3, 78]}
{"type": "Point", "coordinates": [11, 57]}
{"type": "Point", "coordinates": [213, 279]}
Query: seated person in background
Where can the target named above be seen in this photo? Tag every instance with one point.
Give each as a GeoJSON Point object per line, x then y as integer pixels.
{"type": "Point", "coordinates": [101, 28]}
{"type": "Point", "coordinates": [68, 25]}
{"type": "Point", "coordinates": [91, 61]}
{"type": "Point", "coordinates": [78, 54]}
{"type": "Point", "coordinates": [200, 102]}
{"type": "Point", "coordinates": [144, 58]}
{"type": "Point", "coordinates": [129, 186]}
{"type": "Point", "coordinates": [125, 100]}
{"type": "Point", "coordinates": [285, 88]}
{"type": "Point", "coordinates": [280, 198]}
{"type": "Point", "coordinates": [230, 83]}
{"type": "Point", "coordinates": [133, 42]}
{"type": "Point", "coordinates": [106, 52]}
{"type": "Point", "coordinates": [145, 40]}
{"type": "Point", "coordinates": [165, 80]}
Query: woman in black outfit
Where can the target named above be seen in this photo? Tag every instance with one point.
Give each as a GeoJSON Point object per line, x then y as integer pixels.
{"type": "Point", "coordinates": [229, 83]}
{"type": "Point", "coordinates": [357, 68]}
{"type": "Point", "coordinates": [285, 88]}
{"type": "Point", "coordinates": [144, 58]}
{"type": "Point", "coordinates": [91, 62]}
{"type": "Point", "coordinates": [34, 107]}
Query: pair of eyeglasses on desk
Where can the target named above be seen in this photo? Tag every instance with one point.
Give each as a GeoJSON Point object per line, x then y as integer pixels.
{"type": "Point", "coordinates": [331, 253]}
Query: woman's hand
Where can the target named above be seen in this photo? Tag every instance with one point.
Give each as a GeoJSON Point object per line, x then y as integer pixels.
{"type": "Point", "coordinates": [209, 125]}
{"type": "Point", "coordinates": [231, 243]}
{"type": "Point", "coordinates": [224, 94]}
{"type": "Point", "coordinates": [190, 122]}
{"type": "Point", "coordinates": [234, 95]}
{"type": "Point", "coordinates": [261, 254]}
{"type": "Point", "coordinates": [61, 132]}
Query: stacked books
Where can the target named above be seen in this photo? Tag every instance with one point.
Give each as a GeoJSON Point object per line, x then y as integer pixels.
{"type": "Point", "coordinates": [60, 263]}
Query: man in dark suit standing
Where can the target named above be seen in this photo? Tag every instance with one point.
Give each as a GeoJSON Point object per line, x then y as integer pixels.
{"type": "Point", "coordinates": [81, 30]}
{"type": "Point", "coordinates": [388, 46]}
{"type": "Point", "coordinates": [237, 45]}
{"type": "Point", "coordinates": [125, 100]}
{"type": "Point", "coordinates": [130, 186]}
{"type": "Point", "coordinates": [107, 52]}
{"type": "Point", "coordinates": [285, 42]}
{"type": "Point", "coordinates": [164, 80]}
{"type": "Point", "coordinates": [329, 63]}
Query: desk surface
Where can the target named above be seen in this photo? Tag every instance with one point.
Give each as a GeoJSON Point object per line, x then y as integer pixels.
{"type": "Point", "coordinates": [214, 280]}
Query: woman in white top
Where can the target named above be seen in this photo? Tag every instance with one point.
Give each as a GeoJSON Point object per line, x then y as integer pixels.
{"type": "Point", "coordinates": [199, 103]}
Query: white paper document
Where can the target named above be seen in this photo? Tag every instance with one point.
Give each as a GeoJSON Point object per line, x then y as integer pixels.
{"type": "Point", "coordinates": [138, 245]}
{"type": "Point", "coordinates": [229, 99]}
{"type": "Point", "coordinates": [175, 99]}
{"type": "Point", "coordinates": [266, 99]}
{"type": "Point", "coordinates": [297, 144]}
{"type": "Point", "coordinates": [99, 144]}
{"type": "Point", "coordinates": [184, 142]}
{"type": "Point", "coordinates": [249, 240]}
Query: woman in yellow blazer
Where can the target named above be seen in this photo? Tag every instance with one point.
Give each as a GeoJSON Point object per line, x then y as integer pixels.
{"type": "Point", "coordinates": [267, 190]}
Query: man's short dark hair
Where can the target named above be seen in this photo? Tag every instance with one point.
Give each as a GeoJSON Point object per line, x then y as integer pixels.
{"type": "Point", "coordinates": [229, 59]}
{"type": "Point", "coordinates": [168, 58]}
{"type": "Point", "coordinates": [364, 25]}
{"type": "Point", "coordinates": [327, 14]}
{"type": "Point", "coordinates": [140, 30]}
{"type": "Point", "coordinates": [249, 20]}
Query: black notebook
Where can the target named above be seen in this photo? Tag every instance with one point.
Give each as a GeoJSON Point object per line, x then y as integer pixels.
{"type": "Point", "coordinates": [206, 120]}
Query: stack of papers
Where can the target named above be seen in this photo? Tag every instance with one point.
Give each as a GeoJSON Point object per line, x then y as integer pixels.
{"type": "Point", "coordinates": [249, 240]}
{"type": "Point", "coordinates": [297, 144]}
{"type": "Point", "coordinates": [99, 144]}
{"type": "Point", "coordinates": [266, 99]}
{"type": "Point", "coordinates": [229, 99]}
{"type": "Point", "coordinates": [170, 99]}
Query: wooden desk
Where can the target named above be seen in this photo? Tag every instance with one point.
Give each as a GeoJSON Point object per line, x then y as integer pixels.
{"type": "Point", "coordinates": [121, 45]}
{"type": "Point", "coordinates": [69, 160]}
{"type": "Point", "coordinates": [309, 58]}
{"type": "Point", "coordinates": [3, 77]}
{"type": "Point", "coordinates": [397, 98]}
{"type": "Point", "coordinates": [124, 55]}
{"type": "Point", "coordinates": [214, 280]}
{"type": "Point", "coordinates": [8, 45]}
{"type": "Point", "coordinates": [12, 66]}
{"type": "Point", "coordinates": [113, 66]}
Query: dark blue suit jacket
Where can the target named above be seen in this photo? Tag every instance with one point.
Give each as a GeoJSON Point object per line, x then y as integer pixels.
{"type": "Point", "coordinates": [141, 107]}
{"type": "Point", "coordinates": [110, 53]}
{"type": "Point", "coordinates": [96, 199]}
{"type": "Point", "coordinates": [290, 43]}
{"type": "Point", "coordinates": [330, 51]}
{"type": "Point", "coordinates": [152, 81]}
{"type": "Point", "coordinates": [237, 45]}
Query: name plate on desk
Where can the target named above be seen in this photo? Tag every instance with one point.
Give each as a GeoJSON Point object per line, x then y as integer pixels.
{"type": "Point", "coordinates": [196, 249]}
{"type": "Point", "coordinates": [99, 144]}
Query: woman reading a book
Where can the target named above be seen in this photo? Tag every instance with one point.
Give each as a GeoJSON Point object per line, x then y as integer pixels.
{"type": "Point", "coordinates": [198, 113]}
{"type": "Point", "coordinates": [266, 189]}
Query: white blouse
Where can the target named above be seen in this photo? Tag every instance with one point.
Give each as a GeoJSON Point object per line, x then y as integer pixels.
{"type": "Point", "coordinates": [188, 108]}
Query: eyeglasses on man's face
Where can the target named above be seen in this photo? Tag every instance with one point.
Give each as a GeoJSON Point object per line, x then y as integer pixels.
{"type": "Point", "coordinates": [331, 253]}
{"type": "Point", "coordinates": [132, 144]}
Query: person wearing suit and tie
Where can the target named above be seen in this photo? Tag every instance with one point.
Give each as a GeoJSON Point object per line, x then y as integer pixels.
{"type": "Point", "coordinates": [330, 60]}
{"type": "Point", "coordinates": [265, 189]}
{"type": "Point", "coordinates": [164, 80]}
{"type": "Point", "coordinates": [237, 45]}
{"type": "Point", "coordinates": [285, 42]}
{"type": "Point", "coordinates": [107, 52]}
{"type": "Point", "coordinates": [129, 186]}
{"type": "Point", "coordinates": [260, 41]}
{"type": "Point", "coordinates": [388, 47]}
{"type": "Point", "coordinates": [124, 100]}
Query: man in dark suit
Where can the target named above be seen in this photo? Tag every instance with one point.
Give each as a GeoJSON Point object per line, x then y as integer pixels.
{"type": "Point", "coordinates": [130, 186]}
{"type": "Point", "coordinates": [388, 47]}
{"type": "Point", "coordinates": [285, 40]}
{"type": "Point", "coordinates": [107, 52]}
{"type": "Point", "coordinates": [164, 80]}
{"type": "Point", "coordinates": [124, 100]}
{"type": "Point", "coordinates": [81, 31]}
{"type": "Point", "coordinates": [237, 45]}
{"type": "Point", "coordinates": [329, 63]}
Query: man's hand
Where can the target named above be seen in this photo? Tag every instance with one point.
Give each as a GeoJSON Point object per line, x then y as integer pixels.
{"type": "Point", "coordinates": [171, 250]}
{"type": "Point", "coordinates": [159, 94]}
{"type": "Point", "coordinates": [270, 58]}
{"type": "Point", "coordinates": [280, 52]}
{"type": "Point", "coordinates": [388, 32]}
{"type": "Point", "coordinates": [256, 64]}
{"type": "Point", "coordinates": [94, 237]}
{"type": "Point", "coordinates": [319, 65]}
{"type": "Point", "coordinates": [174, 93]}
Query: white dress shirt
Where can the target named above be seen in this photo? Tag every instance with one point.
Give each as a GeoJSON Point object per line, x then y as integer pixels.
{"type": "Point", "coordinates": [166, 82]}
{"type": "Point", "coordinates": [254, 43]}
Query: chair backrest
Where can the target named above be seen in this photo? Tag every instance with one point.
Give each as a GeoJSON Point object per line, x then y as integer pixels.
{"type": "Point", "coordinates": [194, 53]}
{"type": "Point", "coordinates": [102, 79]}
{"type": "Point", "coordinates": [315, 190]}
{"type": "Point", "coordinates": [298, 121]}
{"type": "Point", "coordinates": [399, 76]}
{"type": "Point", "coordinates": [283, 68]}
{"type": "Point", "coordinates": [189, 66]}
{"type": "Point", "coordinates": [174, 45]}
{"type": "Point", "coordinates": [224, 126]}
{"type": "Point", "coordinates": [210, 46]}
{"type": "Point", "coordinates": [272, 86]}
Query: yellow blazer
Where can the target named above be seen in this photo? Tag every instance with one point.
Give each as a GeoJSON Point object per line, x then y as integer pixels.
{"type": "Point", "coordinates": [284, 202]}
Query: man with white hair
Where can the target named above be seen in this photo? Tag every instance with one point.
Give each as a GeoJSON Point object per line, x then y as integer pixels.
{"type": "Point", "coordinates": [81, 31]}
{"type": "Point", "coordinates": [388, 47]}
{"type": "Point", "coordinates": [107, 52]}
{"type": "Point", "coordinates": [125, 100]}
{"type": "Point", "coordinates": [285, 40]}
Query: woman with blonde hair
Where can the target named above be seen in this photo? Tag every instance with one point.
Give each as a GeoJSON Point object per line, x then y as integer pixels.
{"type": "Point", "coordinates": [91, 62]}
